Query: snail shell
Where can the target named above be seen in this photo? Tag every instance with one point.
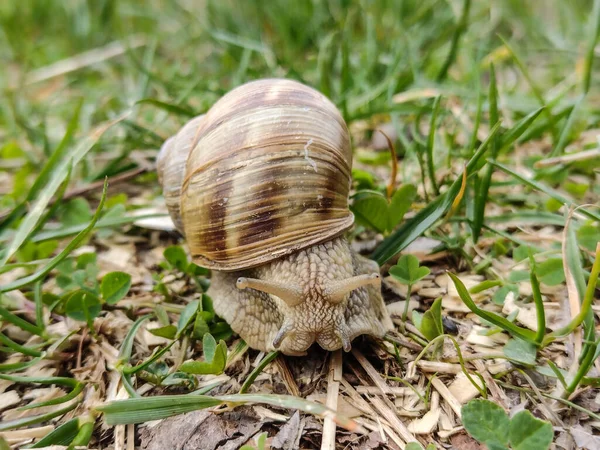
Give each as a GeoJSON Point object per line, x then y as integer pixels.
{"type": "Point", "coordinates": [264, 173]}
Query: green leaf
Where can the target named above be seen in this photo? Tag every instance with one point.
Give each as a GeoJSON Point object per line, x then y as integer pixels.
{"type": "Point", "coordinates": [551, 272]}
{"type": "Point", "coordinates": [175, 255]}
{"type": "Point", "coordinates": [76, 211]}
{"type": "Point", "coordinates": [115, 286]}
{"type": "Point", "coordinates": [431, 324]}
{"type": "Point", "coordinates": [413, 446]}
{"type": "Point", "coordinates": [484, 286]}
{"type": "Point", "coordinates": [516, 276]}
{"type": "Point", "coordinates": [407, 270]}
{"type": "Point", "coordinates": [201, 328]}
{"type": "Point", "coordinates": [168, 331]}
{"type": "Point", "coordinates": [209, 347]}
{"type": "Point", "coordinates": [400, 204]}
{"type": "Point", "coordinates": [194, 269]}
{"type": "Point", "coordinates": [491, 445]}
{"type": "Point", "coordinates": [127, 344]}
{"type": "Point", "coordinates": [220, 358]}
{"type": "Point", "coordinates": [417, 319]}
{"type": "Point", "coordinates": [522, 252]}
{"type": "Point", "coordinates": [485, 421]}
{"type": "Point", "coordinates": [85, 260]}
{"type": "Point", "coordinates": [198, 368]}
{"type": "Point", "coordinates": [364, 179]}
{"type": "Point", "coordinates": [500, 295]}
{"type": "Point", "coordinates": [520, 351]}
{"type": "Point", "coordinates": [588, 236]}
{"type": "Point", "coordinates": [527, 432]}
{"type": "Point", "coordinates": [215, 358]}
{"type": "Point", "coordinates": [373, 210]}
{"type": "Point", "coordinates": [83, 306]}
{"type": "Point", "coordinates": [187, 316]}
{"type": "Point", "coordinates": [139, 410]}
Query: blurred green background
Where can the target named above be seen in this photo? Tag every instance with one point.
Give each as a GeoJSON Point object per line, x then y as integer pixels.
{"type": "Point", "coordinates": [360, 53]}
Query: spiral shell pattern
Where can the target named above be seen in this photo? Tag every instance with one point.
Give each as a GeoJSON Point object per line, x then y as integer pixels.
{"type": "Point", "coordinates": [268, 173]}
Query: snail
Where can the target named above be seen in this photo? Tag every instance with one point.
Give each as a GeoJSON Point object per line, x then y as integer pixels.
{"type": "Point", "coordinates": [259, 188]}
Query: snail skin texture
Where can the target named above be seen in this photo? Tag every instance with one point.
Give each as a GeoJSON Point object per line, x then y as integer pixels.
{"type": "Point", "coordinates": [259, 187]}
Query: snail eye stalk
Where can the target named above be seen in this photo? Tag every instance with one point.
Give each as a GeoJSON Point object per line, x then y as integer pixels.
{"type": "Point", "coordinates": [336, 290]}
{"type": "Point", "coordinates": [290, 294]}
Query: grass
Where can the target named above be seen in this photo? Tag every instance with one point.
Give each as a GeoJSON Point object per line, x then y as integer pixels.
{"type": "Point", "coordinates": [478, 96]}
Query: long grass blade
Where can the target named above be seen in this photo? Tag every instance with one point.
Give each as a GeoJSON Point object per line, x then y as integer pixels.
{"type": "Point", "coordinates": [41, 273]}
{"type": "Point", "coordinates": [430, 144]}
{"type": "Point", "coordinates": [483, 184]}
{"type": "Point", "coordinates": [589, 58]}
{"type": "Point", "coordinates": [495, 319]}
{"type": "Point", "coordinates": [545, 189]}
{"type": "Point", "coordinates": [535, 89]}
{"type": "Point", "coordinates": [429, 215]}
{"type": "Point", "coordinates": [59, 173]}
{"type": "Point", "coordinates": [21, 323]}
{"type": "Point", "coordinates": [47, 171]}
{"type": "Point", "coordinates": [460, 29]}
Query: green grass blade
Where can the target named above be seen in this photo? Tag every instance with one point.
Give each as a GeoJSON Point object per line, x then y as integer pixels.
{"type": "Point", "coordinates": [58, 174]}
{"type": "Point", "coordinates": [129, 370]}
{"type": "Point", "coordinates": [565, 133]}
{"type": "Point", "coordinates": [257, 371]}
{"type": "Point", "coordinates": [40, 274]}
{"type": "Point", "coordinates": [169, 107]}
{"type": "Point", "coordinates": [589, 58]}
{"type": "Point", "coordinates": [535, 89]}
{"type": "Point", "coordinates": [21, 323]}
{"type": "Point", "coordinates": [127, 344]}
{"type": "Point", "coordinates": [145, 409]}
{"type": "Point", "coordinates": [477, 122]}
{"type": "Point", "coordinates": [47, 171]}
{"type": "Point", "coordinates": [545, 189]}
{"type": "Point", "coordinates": [60, 381]}
{"type": "Point", "coordinates": [537, 299]}
{"type": "Point", "coordinates": [14, 367]}
{"type": "Point", "coordinates": [431, 142]}
{"type": "Point", "coordinates": [139, 410]}
{"type": "Point", "coordinates": [57, 401]}
{"type": "Point", "coordinates": [510, 136]}
{"type": "Point", "coordinates": [26, 421]}
{"type": "Point", "coordinates": [483, 187]}
{"type": "Point", "coordinates": [429, 215]}
{"type": "Point", "coordinates": [586, 305]}
{"type": "Point", "coordinates": [109, 222]}
{"type": "Point", "coordinates": [499, 321]}
{"type": "Point", "coordinates": [291, 402]}
{"type": "Point", "coordinates": [128, 385]}
{"type": "Point", "coordinates": [39, 306]}
{"type": "Point", "coordinates": [5, 340]}
{"type": "Point", "coordinates": [63, 435]}
{"type": "Point", "coordinates": [461, 27]}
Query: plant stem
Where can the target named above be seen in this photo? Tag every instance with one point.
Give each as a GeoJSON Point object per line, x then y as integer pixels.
{"type": "Point", "coordinates": [407, 302]}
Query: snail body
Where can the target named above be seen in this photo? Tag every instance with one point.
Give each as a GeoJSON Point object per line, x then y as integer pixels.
{"type": "Point", "coordinates": [259, 187]}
